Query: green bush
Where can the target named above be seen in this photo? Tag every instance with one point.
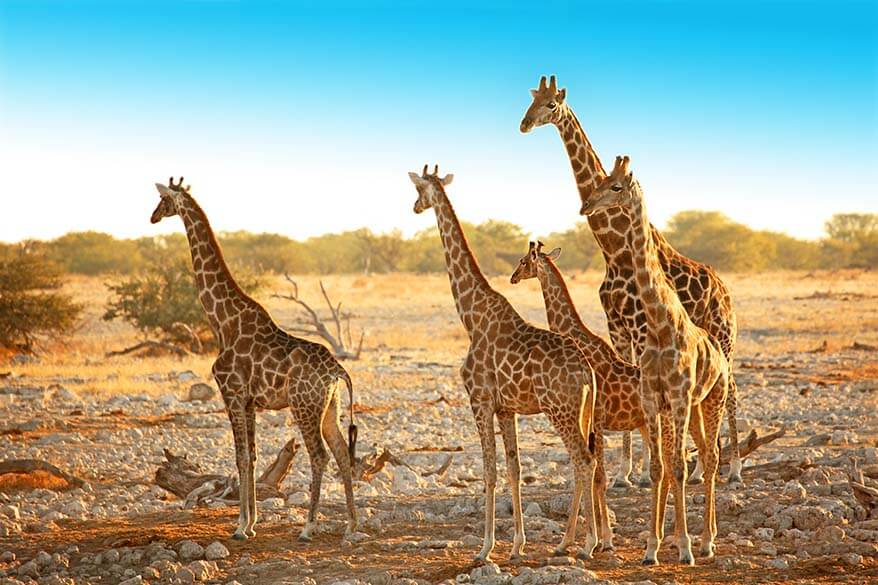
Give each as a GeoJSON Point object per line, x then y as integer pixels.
{"type": "Point", "coordinates": [31, 302]}
{"type": "Point", "coordinates": [163, 302]}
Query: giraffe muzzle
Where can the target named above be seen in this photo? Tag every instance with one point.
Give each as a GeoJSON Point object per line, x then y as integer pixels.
{"type": "Point", "coordinates": [526, 126]}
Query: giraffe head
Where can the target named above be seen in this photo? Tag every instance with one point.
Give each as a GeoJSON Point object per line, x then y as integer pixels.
{"type": "Point", "coordinates": [170, 195]}
{"type": "Point", "coordinates": [533, 262]}
{"type": "Point", "coordinates": [429, 186]}
{"type": "Point", "coordinates": [617, 190]}
{"type": "Point", "coordinates": [546, 107]}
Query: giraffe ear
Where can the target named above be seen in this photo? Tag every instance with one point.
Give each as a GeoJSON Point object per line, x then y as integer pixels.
{"type": "Point", "coordinates": [562, 93]}
{"type": "Point", "coordinates": [446, 180]}
{"type": "Point", "coordinates": [415, 177]}
{"type": "Point", "coordinates": [554, 254]}
{"type": "Point", "coordinates": [534, 93]}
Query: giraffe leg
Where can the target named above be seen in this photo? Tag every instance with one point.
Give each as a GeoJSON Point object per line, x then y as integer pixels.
{"type": "Point", "coordinates": [309, 424]}
{"type": "Point", "coordinates": [656, 473]}
{"type": "Point", "coordinates": [667, 441]}
{"type": "Point", "coordinates": [238, 418]}
{"type": "Point", "coordinates": [645, 480]}
{"type": "Point", "coordinates": [509, 430]}
{"type": "Point", "coordinates": [626, 464]}
{"type": "Point", "coordinates": [485, 423]}
{"type": "Point", "coordinates": [735, 465]}
{"type": "Point", "coordinates": [251, 474]}
{"type": "Point", "coordinates": [711, 412]}
{"type": "Point", "coordinates": [602, 513]}
{"type": "Point", "coordinates": [339, 448]}
{"type": "Point", "coordinates": [584, 473]}
{"type": "Point", "coordinates": [678, 476]}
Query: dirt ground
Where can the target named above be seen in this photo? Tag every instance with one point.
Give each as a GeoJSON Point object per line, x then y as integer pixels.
{"type": "Point", "coordinates": [807, 361]}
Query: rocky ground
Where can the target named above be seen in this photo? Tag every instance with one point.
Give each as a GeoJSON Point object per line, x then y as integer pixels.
{"type": "Point", "coordinates": [794, 518]}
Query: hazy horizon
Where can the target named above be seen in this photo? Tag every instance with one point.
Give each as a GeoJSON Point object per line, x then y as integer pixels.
{"type": "Point", "coordinates": [303, 119]}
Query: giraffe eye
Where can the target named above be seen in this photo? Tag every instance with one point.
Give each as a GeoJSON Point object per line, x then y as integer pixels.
{"type": "Point", "coordinates": [616, 188]}
{"type": "Point", "coordinates": [551, 105]}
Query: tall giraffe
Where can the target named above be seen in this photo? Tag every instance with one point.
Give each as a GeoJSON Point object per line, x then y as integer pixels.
{"type": "Point", "coordinates": [617, 406]}
{"type": "Point", "coordinates": [703, 294]}
{"type": "Point", "coordinates": [684, 374]}
{"type": "Point", "coordinates": [261, 366]}
{"type": "Point", "coordinates": [513, 368]}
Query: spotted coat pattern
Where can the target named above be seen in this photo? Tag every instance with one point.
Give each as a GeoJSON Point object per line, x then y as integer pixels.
{"type": "Point", "coordinates": [260, 366]}
{"type": "Point", "coordinates": [702, 293]}
{"type": "Point", "coordinates": [513, 368]}
{"type": "Point", "coordinates": [684, 376]}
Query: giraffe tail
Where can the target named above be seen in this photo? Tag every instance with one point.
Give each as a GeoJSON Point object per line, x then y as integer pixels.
{"type": "Point", "coordinates": [352, 428]}
{"type": "Point", "coordinates": [587, 417]}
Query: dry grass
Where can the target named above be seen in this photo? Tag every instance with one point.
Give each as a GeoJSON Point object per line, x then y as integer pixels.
{"type": "Point", "coordinates": [415, 315]}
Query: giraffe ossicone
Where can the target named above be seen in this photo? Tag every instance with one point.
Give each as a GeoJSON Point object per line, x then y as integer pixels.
{"type": "Point", "coordinates": [684, 376]}
{"type": "Point", "coordinates": [260, 366]}
{"type": "Point", "coordinates": [514, 368]}
{"type": "Point", "coordinates": [703, 294]}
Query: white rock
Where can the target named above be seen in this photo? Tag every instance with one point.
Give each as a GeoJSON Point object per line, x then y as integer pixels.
{"type": "Point", "coordinates": [203, 570]}
{"type": "Point", "coordinates": [271, 504]}
{"type": "Point", "coordinates": [533, 509]}
{"type": "Point", "coordinates": [778, 564]}
{"type": "Point", "coordinates": [298, 499]}
{"type": "Point", "coordinates": [215, 551]}
{"type": "Point", "coordinates": [794, 489]}
{"type": "Point", "coordinates": [764, 533]}
{"type": "Point", "coordinates": [189, 550]}
{"type": "Point", "coordinates": [201, 392]}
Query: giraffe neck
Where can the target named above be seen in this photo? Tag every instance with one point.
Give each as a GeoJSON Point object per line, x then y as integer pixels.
{"type": "Point", "coordinates": [609, 225]}
{"type": "Point", "coordinates": [564, 318]}
{"type": "Point", "coordinates": [468, 284]}
{"type": "Point", "coordinates": [219, 294]}
{"type": "Point", "coordinates": [560, 310]}
{"type": "Point", "coordinates": [657, 295]}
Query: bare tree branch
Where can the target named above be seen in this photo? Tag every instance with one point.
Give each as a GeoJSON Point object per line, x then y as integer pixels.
{"type": "Point", "coordinates": [343, 349]}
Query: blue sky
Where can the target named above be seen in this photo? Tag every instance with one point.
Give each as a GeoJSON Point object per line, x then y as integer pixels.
{"type": "Point", "coordinates": [304, 117]}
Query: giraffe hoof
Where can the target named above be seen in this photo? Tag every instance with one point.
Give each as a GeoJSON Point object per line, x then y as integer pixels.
{"type": "Point", "coordinates": [649, 562]}
{"type": "Point", "coordinates": [622, 482]}
{"type": "Point", "coordinates": [250, 533]}
{"type": "Point", "coordinates": [583, 555]}
{"type": "Point", "coordinates": [304, 538]}
{"type": "Point", "coordinates": [559, 551]}
{"type": "Point", "coordinates": [645, 482]}
{"type": "Point", "coordinates": [707, 552]}
{"type": "Point", "coordinates": [687, 560]}
{"type": "Point", "coordinates": [695, 480]}
{"type": "Point", "coordinates": [608, 548]}
{"type": "Point", "coordinates": [239, 536]}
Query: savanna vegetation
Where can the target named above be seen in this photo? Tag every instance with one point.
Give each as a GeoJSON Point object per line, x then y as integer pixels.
{"type": "Point", "coordinates": [851, 241]}
{"type": "Point", "coordinates": [150, 283]}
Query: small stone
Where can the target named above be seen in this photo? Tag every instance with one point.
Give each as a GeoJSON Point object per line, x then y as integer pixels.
{"type": "Point", "coordinates": [778, 564]}
{"type": "Point", "coordinates": [853, 559]}
{"type": "Point", "coordinates": [795, 489]}
{"type": "Point", "coordinates": [764, 533]}
{"type": "Point", "coordinates": [7, 556]}
{"type": "Point", "coordinates": [43, 559]}
{"type": "Point", "coordinates": [201, 392]}
{"type": "Point", "coordinates": [189, 550]}
{"type": "Point", "coordinates": [10, 511]}
{"type": "Point", "coordinates": [203, 570]}
{"type": "Point", "coordinates": [135, 580]}
{"type": "Point", "coordinates": [297, 499]}
{"type": "Point", "coordinates": [215, 551]}
{"type": "Point", "coordinates": [533, 509]}
{"type": "Point", "coordinates": [29, 569]}
{"type": "Point", "coordinates": [357, 537]}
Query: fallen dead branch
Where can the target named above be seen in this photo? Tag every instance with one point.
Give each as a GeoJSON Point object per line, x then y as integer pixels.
{"type": "Point", "coordinates": [185, 479]}
{"type": "Point", "coordinates": [33, 465]}
{"type": "Point", "coordinates": [341, 343]}
{"type": "Point", "coordinates": [368, 466]}
{"type": "Point", "coordinates": [150, 345]}
{"type": "Point", "coordinates": [863, 346]}
{"type": "Point", "coordinates": [750, 444]}
{"type": "Point", "coordinates": [866, 495]}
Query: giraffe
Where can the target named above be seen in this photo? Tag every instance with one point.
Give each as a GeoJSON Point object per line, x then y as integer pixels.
{"type": "Point", "coordinates": [683, 371]}
{"type": "Point", "coordinates": [513, 368]}
{"type": "Point", "coordinates": [704, 296]}
{"type": "Point", "coordinates": [260, 366]}
{"type": "Point", "coordinates": [617, 406]}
